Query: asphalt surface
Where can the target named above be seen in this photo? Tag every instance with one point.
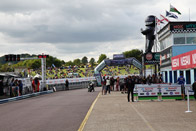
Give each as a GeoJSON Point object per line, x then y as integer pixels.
{"type": "Point", "coordinates": [59, 111]}
{"type": "Point", "coordinates": [112, 112]}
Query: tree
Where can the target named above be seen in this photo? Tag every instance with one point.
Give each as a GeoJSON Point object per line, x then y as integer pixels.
{"type": "Point", "coordinates": [134, 53]}
{"type": "Point", "coordinates": [101, 58]}
{"type": "Point", "coordinates": [69, 63]}
{"type": "Point", "coordinates": [77, 62]}
{"type": "Point", "coordinates": [84, 60]}
{"type": "Point", "coordinates": [92, 61]}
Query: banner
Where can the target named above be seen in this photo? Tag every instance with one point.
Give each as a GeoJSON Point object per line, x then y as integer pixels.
{"type": "Point", "coordinates": [71, 80]}
{"type": "Point", "coordinates": [170, 90]}
{"type": "Point", "coordinates": [184, 61]}
{"type": "Point", "coordinates": [154, 89]}
{"type": "Point", "coordinates": [147, 90]}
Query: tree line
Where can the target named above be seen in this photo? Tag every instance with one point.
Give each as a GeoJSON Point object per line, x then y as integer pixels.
{"type": "Point", "coordinates": [53, 61]}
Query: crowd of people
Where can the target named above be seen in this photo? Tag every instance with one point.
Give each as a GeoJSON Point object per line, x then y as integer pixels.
{"type": "Point", "coordinates": [77, 72]}
{"type": "Point", "coordinates": [127, 84]}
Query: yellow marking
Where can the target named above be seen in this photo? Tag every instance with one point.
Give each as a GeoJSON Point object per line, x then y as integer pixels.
{"type": "Point", "coordinates": [88, 114]}
{"type": "Point", "coordinates": [146, 122]}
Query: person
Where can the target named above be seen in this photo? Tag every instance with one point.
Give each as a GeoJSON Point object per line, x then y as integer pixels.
{"type": "Point", "coordinates": [1, 87]}
{"type": "Point", "coordinates": [11, 86]}
{"type": "Point", "coordinates": [194, 89]}
{"type": "Point", "coordinates": [117, 83]}
{"type": "Point", "coordinates": [36, 84]}
{"type": "Point", "coordinates": [130, 83]}
{"type": "Point", "coordinates": [103, 85]}
{"type": "Point", "coordinates": [20, 87]}
{"type": "Point", "coordinates": [108, 85]}
{"type": "Point", "coordinates": [181, 81]}
{"type": "Point", "coordinates": [67, 84]}
{"type": "Point", "coordinates": [112, 83]}
{"type": "Point", "coordinates": [122, 87]}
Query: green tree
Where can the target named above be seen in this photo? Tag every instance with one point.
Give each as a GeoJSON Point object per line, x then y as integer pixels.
{"type": "Point", "coordinates": [92, 61]}
{"type": "Point", "coordinates": [69, 63]}
{"type": "Point", "coordinates": [134, 53]}
{"type": "Point", "coordinates": [77, 62]}
{"type": "Point", "coordinates": [84, 60]}
{"type": "Point", "coordinates": [101, 58]}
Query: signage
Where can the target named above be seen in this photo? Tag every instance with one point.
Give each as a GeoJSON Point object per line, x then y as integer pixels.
{"type": "Point", "coordinates": [147, 90]}
{"type": "Point", "coordinates": [171, 90]}
{"type": "Point", "coordinates": [184, 61]}
{"type": "Point", "coordinates": [154, 89]}
{"type": "Point", "coordinates": [152, 58]}
{"type": "Point", "coordinates": [118, 56]}
{"type": "Point", "coordinates": [183, 26]}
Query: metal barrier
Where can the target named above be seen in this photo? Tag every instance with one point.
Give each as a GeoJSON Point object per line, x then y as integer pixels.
{"type": "Point", "coordinates": [72, 86]}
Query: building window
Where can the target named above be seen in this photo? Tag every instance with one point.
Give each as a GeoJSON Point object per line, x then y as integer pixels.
{"type": "Point", "coordinates": [185, 38]}
{"type": "Point", "coordinates": [191, 38]}
{"type": "Point", "coordinates": [165, 43]}
{"type": "Point", "coordinates": [179, 38]}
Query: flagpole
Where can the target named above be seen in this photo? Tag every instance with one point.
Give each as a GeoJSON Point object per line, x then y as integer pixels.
{"type": "Point", "coordinates": [189, 15]}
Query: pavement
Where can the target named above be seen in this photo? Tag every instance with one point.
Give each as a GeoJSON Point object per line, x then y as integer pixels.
{"type": "Point", "coordinates": [112, 112]}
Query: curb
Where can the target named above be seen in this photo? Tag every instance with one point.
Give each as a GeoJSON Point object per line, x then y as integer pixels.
{"type": "Point", "coordinates": [25, 96]}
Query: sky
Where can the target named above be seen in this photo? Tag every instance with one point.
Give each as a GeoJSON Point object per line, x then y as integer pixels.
{"type": "Point", "coordinates": [71, 29]}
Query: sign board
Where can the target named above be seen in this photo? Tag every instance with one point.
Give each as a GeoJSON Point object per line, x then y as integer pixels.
{"type": "Point", "coordinates": [182, 26]}
{"type": "Point", "coordinates": [154, 89]}
{"type": "Point", "coordinates": [71, 80]}
{"type": "Point", "coordinates": [118, 56]}
{"type": "Point", "coordinates": [152, 58]}
{"type": "Point", "coordinates": [147, 90]}
{"type": "Point", "coordinates": [184, 61]}
{"type": "Point", "coordinates": [170, 90]}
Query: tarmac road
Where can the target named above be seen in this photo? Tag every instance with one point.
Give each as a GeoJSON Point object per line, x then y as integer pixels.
{"type": "Point", "coordinates": [59, 111]}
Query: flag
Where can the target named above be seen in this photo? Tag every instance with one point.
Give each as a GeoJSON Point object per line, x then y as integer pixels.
{"type": "Point", "coordinates": [164, 18]}
{"type": "Point", "coordinates": [159, 21]}
{"type": "Point", "coordinates": [173, 9]}
{"type": "Point", "coordinates": [171, 15]}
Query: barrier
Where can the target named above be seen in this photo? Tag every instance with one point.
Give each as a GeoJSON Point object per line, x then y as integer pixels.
{"type": "Point", "coordinates": [157, 90]}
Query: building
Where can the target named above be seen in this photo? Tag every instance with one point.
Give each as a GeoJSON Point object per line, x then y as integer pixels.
{"type": "Point", "coordinates": [176, 40]}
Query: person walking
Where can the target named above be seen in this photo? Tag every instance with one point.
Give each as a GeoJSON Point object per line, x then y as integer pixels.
{"type": "Point", "coordinates": [194, 89]}
{"type": "Point", "coordinates": [181, 81]}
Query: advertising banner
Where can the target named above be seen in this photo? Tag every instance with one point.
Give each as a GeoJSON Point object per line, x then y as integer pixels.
{"type": "Point", "coordinates": [71, 80]}
{"type": "Point", "coordinates": [154, 89]}
{"type": "Point", "coordinates": [147, 90]}
{"type": "Point", "coordinates": [184, 61]}
{"type": "Point", "coordinates": [170, 90]}
{"type": "Point", "coordinates": [152, 58]}
{"type": "Point", "coordinates": [182, 26]}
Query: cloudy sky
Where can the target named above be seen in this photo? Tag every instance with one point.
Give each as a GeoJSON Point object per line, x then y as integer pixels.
{"type": "Point", "coordinates": [70, 29]}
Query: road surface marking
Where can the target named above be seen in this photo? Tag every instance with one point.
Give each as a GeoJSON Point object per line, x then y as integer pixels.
{"type": "Point", "coordinates": [146, 122]}
{"type": "Point", "coordinates": [88, 114]}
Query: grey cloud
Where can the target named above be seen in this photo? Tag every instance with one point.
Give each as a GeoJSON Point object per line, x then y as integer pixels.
{"type": "Point", "coordinates": [77, 23]}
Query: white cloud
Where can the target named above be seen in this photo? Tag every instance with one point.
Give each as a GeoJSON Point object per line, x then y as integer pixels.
{"type": "Point", "coordinates": [73, 29]}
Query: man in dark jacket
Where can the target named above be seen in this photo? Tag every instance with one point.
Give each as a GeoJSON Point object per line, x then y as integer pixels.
{"type": "Point", "coordinates": [130, 83]}
{"type": "Point", "coordinates": [194, 88]}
